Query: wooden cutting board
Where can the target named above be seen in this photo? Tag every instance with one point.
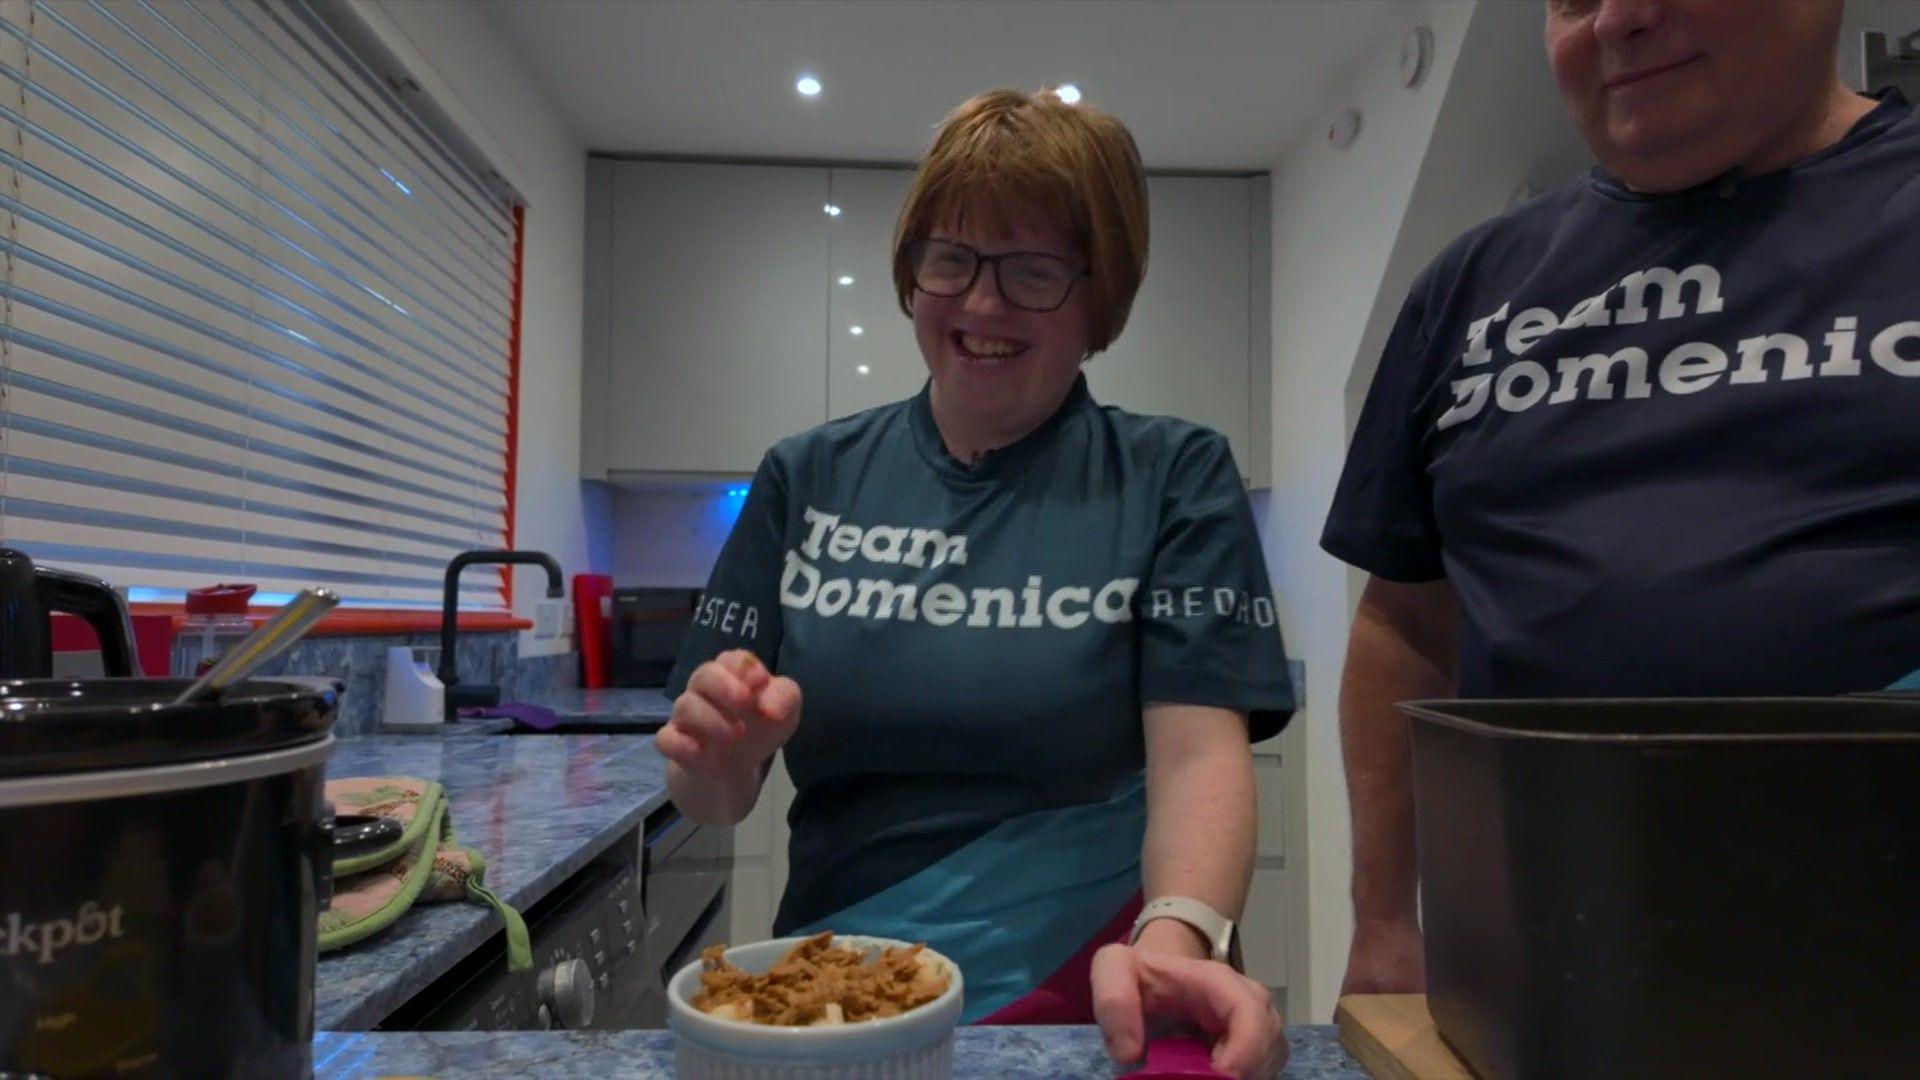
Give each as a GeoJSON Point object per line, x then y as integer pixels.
{"type": "Point", "coordinates": [1393, 1037]}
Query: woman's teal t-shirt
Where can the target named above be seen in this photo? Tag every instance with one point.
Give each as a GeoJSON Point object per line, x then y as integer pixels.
{"type": "Point", "coordinates": [976, 642]}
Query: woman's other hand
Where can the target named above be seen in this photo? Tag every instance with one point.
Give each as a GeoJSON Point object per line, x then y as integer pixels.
{"type": "Point", "coordinates": [1135, 989]}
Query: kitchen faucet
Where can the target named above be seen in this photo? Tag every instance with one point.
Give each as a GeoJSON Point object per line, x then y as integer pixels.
{"type": "Point", "coordinates": [458, 696]}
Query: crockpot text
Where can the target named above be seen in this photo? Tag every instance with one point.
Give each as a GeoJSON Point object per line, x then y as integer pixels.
{"type": "Point", "coordinates": [88, 926]}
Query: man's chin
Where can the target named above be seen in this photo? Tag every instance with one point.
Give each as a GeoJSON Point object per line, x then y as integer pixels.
{"type": "Point", "coordinates": [1658, 154]}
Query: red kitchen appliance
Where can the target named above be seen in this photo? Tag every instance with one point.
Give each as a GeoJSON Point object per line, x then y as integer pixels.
{"type": "Point", "coordinates": [592, 596]}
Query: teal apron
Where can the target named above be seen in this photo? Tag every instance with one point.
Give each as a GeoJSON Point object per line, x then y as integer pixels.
{"type": "Point", "coordinates": [1015, 905]}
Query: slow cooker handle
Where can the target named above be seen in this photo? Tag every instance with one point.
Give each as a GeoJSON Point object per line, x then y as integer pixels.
{"type": "Point", "coordinates": [323, 861]}
{"type": "Point", "coordinates": [345, 836]}
{"type": "Point", "coordinates": [25, 651]}
{"type": "Point", "coordinates": [94, 602]}
{"type": "Point", "coordinates": [362, 834]}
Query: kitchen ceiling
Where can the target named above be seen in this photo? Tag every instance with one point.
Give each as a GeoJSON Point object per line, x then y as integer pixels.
{"type": "Point", "coordinates": [1204, 84]}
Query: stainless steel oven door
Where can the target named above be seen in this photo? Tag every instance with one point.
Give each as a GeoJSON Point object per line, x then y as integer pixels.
{"type": "Point", "coordinates": [685, 869]}
{"type": "Point", "coordinates": [589, 963]}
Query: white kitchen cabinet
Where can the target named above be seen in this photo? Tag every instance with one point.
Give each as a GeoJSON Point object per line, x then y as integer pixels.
{"type": "Point", "coordinates": [1263, 930]}
{"type": "Point", "coordinates": [750, 902]}
{"type": "Point", "coordinates": [1187, 348]}
{"type": "Point", "coordinates": [1267, 778]}
{"type": "Point", "coordinates": [872, 357]}
{"type": "Point", "coordinates": [715, 314]}
{"type": "Point", "coordinates": [760, 858]}
{"type": "Point", "coordinates": [596, 287]}
{"type": "Point", "coordinates": [753, 838]}
{"type": "Point", "coordinates": [780, 794]}
{"type": "Point", "coordinates": [717, 323]}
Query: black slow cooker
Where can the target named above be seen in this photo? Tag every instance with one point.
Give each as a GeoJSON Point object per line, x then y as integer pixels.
{"type": "Point", "coordinates": [161, 869]}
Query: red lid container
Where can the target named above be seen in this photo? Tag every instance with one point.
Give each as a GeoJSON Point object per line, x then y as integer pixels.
{"type": "Point", "coordinates": [220, 599]}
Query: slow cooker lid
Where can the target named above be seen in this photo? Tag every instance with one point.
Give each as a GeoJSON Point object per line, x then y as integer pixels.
{"type": "Point", "coordinates": [50, 726]}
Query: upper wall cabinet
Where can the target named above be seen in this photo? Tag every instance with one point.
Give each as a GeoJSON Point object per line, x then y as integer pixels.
{"type": "Point", "coordinates": [872, 355]}
{"type": "Point", "coordinates": [715, 312]}
{"type": "Point", "coordinates": [1186, 350]}
{"type": "Point", "coordinates": [729, 306]}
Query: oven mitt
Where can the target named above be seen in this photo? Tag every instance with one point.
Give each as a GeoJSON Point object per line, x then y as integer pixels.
{"type": "Point", "coordinates": [374, 889]}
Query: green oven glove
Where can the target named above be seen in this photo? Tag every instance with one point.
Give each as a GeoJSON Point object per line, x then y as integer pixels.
{"type": "Point", "coordinates": [372, 890]}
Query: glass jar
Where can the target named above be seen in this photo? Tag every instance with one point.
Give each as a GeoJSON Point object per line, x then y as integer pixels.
{"type": "Point", "coordinates": [216, 621]}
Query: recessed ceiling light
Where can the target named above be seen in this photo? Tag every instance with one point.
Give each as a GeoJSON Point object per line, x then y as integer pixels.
{"type": "Point", "coordinates": [856, 331]}
{"type": "Point", "coordinates": [863, 370]}
{"type": "Point", "coordinates": [846, 279]}
{"type": "Point", "coordinates": [832, 210]}
{"type": "Point", "coordinates": [1068, 93]}
{"type": "Point", "coordinates": [808, 86]}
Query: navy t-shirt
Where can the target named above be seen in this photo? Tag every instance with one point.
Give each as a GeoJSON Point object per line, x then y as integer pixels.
{"type": "Point", "coordinates": [1664, 444]}
{"type": "Point", "coordinates": [978, 642]}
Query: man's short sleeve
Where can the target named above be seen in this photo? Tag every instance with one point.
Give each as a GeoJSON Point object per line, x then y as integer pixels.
{"type": "Point", "coordinates": [1209, 632]}
{"type": "Point", "coordinates": [741, 606]}
{"type": "Point", "coordinates": [1382, 519]}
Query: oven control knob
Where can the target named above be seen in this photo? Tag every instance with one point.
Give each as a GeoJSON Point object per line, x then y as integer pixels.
{"type": "Point", "coordinates": [567, 987]}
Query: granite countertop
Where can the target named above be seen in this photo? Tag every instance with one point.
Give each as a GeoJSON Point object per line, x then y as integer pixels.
{"type": "Point", "coordinates": [489, 725]}
{"type": "Point", "coordinates": [537, 808]}
{"type": "Point", "coordinates": [619, 710]}
{"type": "Point", "coordinates": [614, 705]}
{"type": "Point", "coordinates": [980, 1053]}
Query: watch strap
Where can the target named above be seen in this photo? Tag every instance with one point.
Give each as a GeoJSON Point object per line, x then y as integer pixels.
{"type": "Point", "coordinates": [1220, 933]}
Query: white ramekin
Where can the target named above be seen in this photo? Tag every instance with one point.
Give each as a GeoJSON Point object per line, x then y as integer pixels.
{"type": "Point", "coordinates": [916, 1045]}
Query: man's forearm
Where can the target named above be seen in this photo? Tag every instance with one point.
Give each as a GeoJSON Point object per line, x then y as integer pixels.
{"type": "Point", "coordinates": [1390, 658]}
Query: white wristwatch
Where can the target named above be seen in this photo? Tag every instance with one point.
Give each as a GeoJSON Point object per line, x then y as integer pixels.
{"type": "Point", "coordinates": [1222, 935]}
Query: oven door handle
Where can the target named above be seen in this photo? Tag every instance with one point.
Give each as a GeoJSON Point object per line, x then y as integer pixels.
{"type": "Point", "coordinates": [664, 827]}
{"type": "Point", "coordinates": [666, 832]}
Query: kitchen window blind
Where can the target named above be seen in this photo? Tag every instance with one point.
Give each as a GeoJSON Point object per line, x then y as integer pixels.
{"type": "Point", "coordinates": [258, 318]}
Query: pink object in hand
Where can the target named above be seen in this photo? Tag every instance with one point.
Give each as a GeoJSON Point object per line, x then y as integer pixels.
{"type": "Point", "coordinates": [1176, 1056]}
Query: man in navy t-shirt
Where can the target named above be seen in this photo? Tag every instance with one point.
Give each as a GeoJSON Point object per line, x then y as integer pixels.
{"type": "Point", "coordinates": [1655, 433]}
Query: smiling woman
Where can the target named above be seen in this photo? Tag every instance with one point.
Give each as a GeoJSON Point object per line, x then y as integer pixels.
{"type": "Point", "coordinates": [1057, 194]}
{"type": "Point", "coordinates": [1032, 634]}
